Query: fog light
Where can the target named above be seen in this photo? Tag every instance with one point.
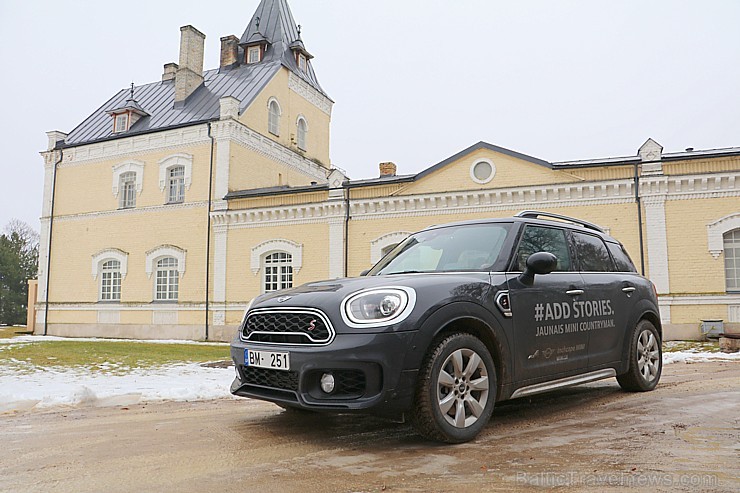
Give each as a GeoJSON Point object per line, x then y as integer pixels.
{"type": "Point", "coordinates": [238, 375]}
{"type": "Point", "coordinates": [327, 383]}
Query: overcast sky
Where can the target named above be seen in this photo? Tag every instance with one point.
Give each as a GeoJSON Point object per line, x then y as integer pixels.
{"type": "Point", "coordinates": [414, 81]}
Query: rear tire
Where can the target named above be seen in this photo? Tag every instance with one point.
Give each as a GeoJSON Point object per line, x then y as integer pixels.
{"type": "Point", "coordinates": [456, 390]}
{"type": "Point", "coordinates": [645, 357]}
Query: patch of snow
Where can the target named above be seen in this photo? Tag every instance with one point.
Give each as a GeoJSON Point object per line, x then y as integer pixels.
{"type": "Point", "coordinates": [693, 356]}
{"type": "Point", "coordinates": [55, 386]}
{"type": "Point", "coordinates": [30, 338]}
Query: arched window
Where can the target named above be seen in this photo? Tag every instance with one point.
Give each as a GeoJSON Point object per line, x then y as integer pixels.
{"type": "Point", "coordinates": [110, 281]}
{"type": "Point", "coordinates": [167, 279]}
{"type": "Point", "coordinates": [731, 243]}
{"type": "Point", "coordinates": [176, 184]}
{"type": "Point", "coordinates": [127, 187]}
{"type": "Point", "coordinates": [301, 132]}
{"type": "Point", "coordinates": [273, 120]}
{"type": "Point", "coordinates": [278, 268]}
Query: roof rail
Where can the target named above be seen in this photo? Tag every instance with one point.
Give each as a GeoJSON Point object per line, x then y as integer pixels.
{"type": "Point", "coordinates": [536, 214]}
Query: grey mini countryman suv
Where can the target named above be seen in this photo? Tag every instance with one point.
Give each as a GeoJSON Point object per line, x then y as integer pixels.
{"type": "Point", "coordinates": [454, 319]}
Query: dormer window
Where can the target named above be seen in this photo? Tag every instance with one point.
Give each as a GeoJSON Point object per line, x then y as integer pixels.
{"type": "Point", "coordinates": [126, 115]}
{"type": "Point", "coordinates": [254, 54]}
{"type": "Point", "coordinates": [302, 62]}
{"type": "Point", "coordinates": [121, 123]}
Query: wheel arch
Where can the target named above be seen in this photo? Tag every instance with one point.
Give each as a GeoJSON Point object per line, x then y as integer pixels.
{"type": "Point", "coordinates": [465, 317]}
{"type": "Point", "coordinates": [644, 311]}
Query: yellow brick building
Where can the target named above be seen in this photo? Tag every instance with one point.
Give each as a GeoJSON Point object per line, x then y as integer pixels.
{"type": "Point", "coordinates": [176, 202]}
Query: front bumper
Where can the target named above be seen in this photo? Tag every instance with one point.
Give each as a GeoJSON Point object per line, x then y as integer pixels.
{"type": "Point", "coordinates": [368, 370]}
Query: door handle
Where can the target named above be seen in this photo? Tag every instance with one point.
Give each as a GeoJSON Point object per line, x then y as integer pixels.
{"type": "Point", "coordinates": [628, 289]}
{"type": "Point", "coordinates": [574, 292]}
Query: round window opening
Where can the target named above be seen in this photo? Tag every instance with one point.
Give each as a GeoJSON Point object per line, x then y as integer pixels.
{"type": "Point", "coordinates": [482, 171]}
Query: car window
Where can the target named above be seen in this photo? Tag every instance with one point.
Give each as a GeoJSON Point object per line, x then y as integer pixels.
{"type": "Point", "coordinates": [592, 253]}
{"type": "Point", "coordinates": [621, 258]}
{"type": "Point", "coordinates": [474, 247]}
{"type": "Point", "coordinates": [543, 239]}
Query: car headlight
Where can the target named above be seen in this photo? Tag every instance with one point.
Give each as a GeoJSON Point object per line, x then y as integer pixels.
{"type": "Point", "coordinates": [377, 307]}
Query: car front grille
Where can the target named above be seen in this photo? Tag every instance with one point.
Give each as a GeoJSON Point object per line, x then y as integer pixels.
{"type": "Point", "coordinates": [287, 326]}
{"type": "Point", "coordinates": [274, 379]}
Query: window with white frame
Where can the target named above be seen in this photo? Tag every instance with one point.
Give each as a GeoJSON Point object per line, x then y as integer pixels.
{"type": "Point", "coordinates": [278, 267]}
{"type": "Point", "coordinates": [127, 190]}
{"type": "Point", "coordinates": [302, 62]}
{"type": "Point", "coordinates": [253, 54]}
{"type": "Point", "coordinates": [176, 184]}
{"type": "Point", "coordinates": [301, 133]}
{"type": "Point", "coordinates": [110, 281]}
{"type": "Point", "coordinates": [732, 260]}
{"type": "Point", "coordinates": [167, 279]}
{"type": "Point", "coordinates": [273, 119]}
{"type": "Point", "coordinates": [121, 124]}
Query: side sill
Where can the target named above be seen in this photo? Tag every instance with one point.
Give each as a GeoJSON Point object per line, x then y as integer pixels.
{"type": "Point", "coordinates": [564, 382]}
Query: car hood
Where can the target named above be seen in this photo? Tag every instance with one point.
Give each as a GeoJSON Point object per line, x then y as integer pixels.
{"type": "Point", "coordinates": [432, 290]}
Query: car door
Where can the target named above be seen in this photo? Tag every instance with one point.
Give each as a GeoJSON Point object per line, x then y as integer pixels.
{"type": "Point", "coordinates": [605, 307]}
{"type": "Point", "coordinates": [546, 341]}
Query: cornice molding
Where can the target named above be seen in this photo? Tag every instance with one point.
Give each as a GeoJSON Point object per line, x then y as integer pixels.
{"type": "Point", "coordinates": [133, 211]}
{"type": "Point", "coordinates": [323, 212]}
{"type": "Point", "coordinates": [481, 201]}
{"type": "Point", "coordinates": [136, 144]}
{"type": "Point", "coordinates": [244, 136]}
{"type": "Point", "coordinates": [303, 89]}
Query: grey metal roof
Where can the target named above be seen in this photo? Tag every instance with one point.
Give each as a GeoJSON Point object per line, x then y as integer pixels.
{"type": "Point", "coordinates": [130, 105]}
{"type": "Point", "coordinates": [277, 26]}
{"type": "Point", "coordinates": [243, 82]}
{"type": "Point", "coordinates": [666, 156]}
{"type": "Point", "coordinates": [276, 190]}
{"type": "Point", "coordinates": [158, 98]}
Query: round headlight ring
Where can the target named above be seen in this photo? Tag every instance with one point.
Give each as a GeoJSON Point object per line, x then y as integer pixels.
{"type": "Point", "coordinates": [392, 303]}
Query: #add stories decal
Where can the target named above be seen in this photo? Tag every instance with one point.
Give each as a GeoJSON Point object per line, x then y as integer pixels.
{"type": "Point", "coordinates": [568, 318]}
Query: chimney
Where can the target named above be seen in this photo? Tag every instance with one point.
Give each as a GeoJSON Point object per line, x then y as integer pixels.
{"type": "Point", "coordinates": [169, 72]}
{"type": "Point", "coordinates": [229, 51]}
{"type": "Point", "coordinates": [189, 75]}
{"type": "Point", "coordinates": [387, 169]}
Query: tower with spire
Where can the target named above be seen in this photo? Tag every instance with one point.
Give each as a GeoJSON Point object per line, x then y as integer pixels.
{"type": "Point", "coordinates": [160, 170]}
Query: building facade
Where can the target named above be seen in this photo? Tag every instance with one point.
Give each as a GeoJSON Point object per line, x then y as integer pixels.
{"type": "Point", "coordinates": [176, 202]}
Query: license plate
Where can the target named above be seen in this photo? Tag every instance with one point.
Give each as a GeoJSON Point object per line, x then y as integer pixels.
{"type": "Point", "coordinates": [267, 359]}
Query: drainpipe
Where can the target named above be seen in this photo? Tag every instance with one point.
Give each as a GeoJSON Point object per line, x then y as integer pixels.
{"type": "Point", "coordinates": [639, 219]}
{"type": "Point", "coordinates": [346, 228]}
{"type": "Point", "coordinates": [208, 227]}
{"type": "Point", "coordinates": [48, 243]}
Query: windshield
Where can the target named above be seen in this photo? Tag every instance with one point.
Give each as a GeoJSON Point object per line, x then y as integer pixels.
{"type": "Point", "coordinates": [472, 247]}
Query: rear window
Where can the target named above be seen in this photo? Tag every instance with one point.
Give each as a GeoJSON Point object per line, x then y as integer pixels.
{"type": "Point", "coordinates": [621, 258]}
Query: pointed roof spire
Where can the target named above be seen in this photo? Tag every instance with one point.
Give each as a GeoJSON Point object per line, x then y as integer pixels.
{"type": "Point", "coordinates": [273, 25]}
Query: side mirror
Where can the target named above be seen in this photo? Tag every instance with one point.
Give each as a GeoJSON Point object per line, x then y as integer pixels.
{"type": "Point", "coordinates": [364, 272]}
{"type": "Point", "coordinates": [538, 263]}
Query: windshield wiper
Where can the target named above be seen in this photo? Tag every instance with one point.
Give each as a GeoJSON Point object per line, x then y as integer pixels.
{"type": "Point", "coordinates": [403, 272]}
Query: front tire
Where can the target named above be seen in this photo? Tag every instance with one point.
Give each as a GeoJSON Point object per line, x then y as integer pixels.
{"type": "Point", "coordinates": [645, 357]}
{"type": "Point", "coordinates": [456, 390]}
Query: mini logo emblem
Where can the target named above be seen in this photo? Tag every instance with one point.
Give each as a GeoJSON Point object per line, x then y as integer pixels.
{"type": "Point", "coordinates": [312, 325]}
{"type": "Point", "coordinates": [283, 299]}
